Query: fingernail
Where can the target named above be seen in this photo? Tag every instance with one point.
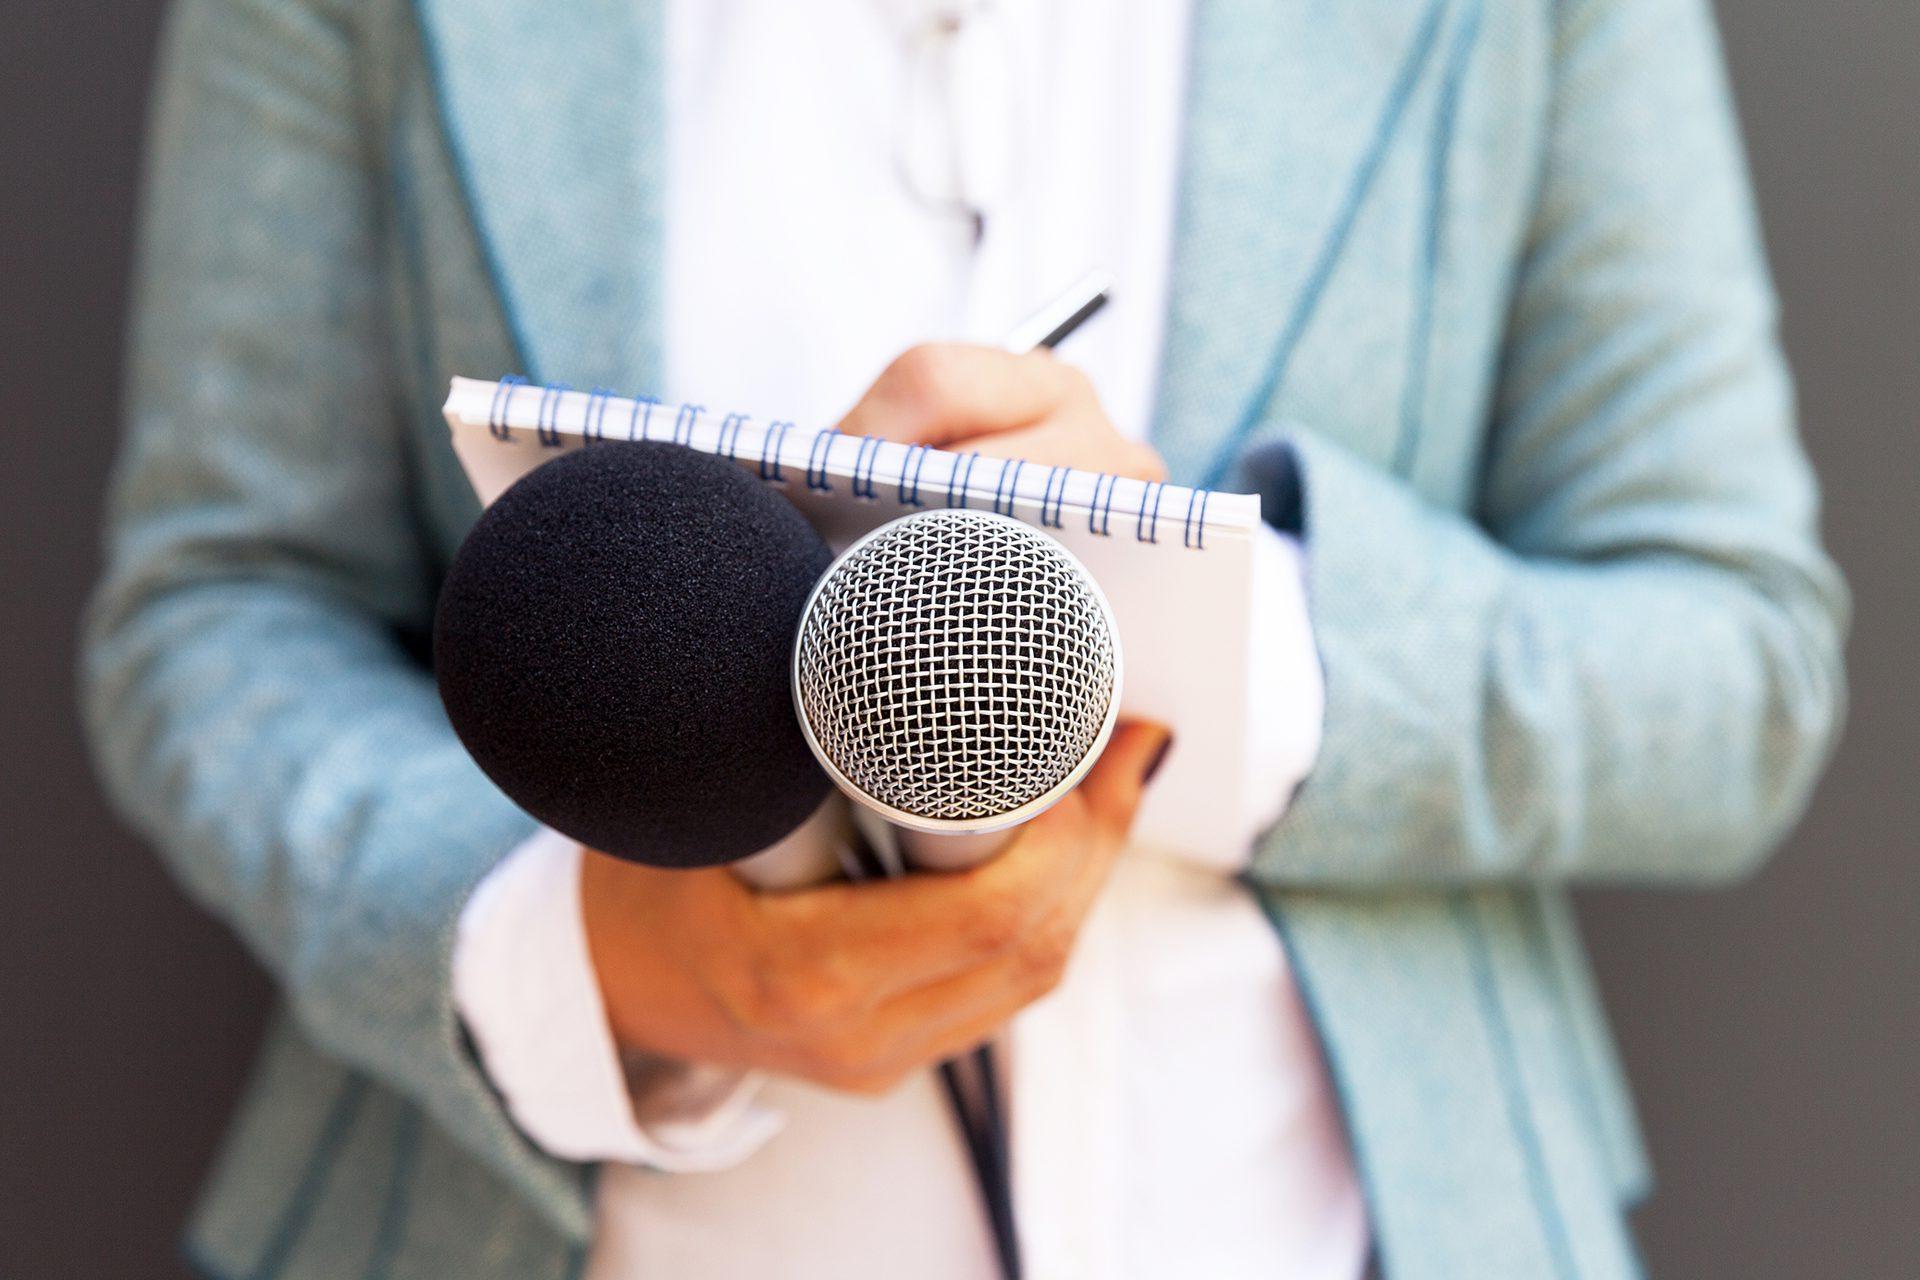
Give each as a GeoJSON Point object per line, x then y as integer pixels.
{"type": "Point", "coordinates": [1159, 758]}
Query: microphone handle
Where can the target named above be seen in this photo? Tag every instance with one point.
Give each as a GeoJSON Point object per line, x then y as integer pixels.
{"type": "Point", "coordinates": [823, 848]}
{"type": "Point", "coordinates": [951, 851]}
{"type": "Point", "coordinates": [818, 850]}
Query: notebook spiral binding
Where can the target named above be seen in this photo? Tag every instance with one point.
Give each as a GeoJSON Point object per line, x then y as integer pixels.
{"type": "Point", "coordinates": [1010, 486]}
{"type": "Point", "coordinates": [957, 489]}
{"type": "Point", "coordinates": [728, 447]}
{"type": "Point", "coordinates": [594, 425]}
{"type": "Point", "coordinates": [908, 491]}
{"type": "Point", "coordinates": [869, 455]}
{"type": "Point", "coordinates": [917, 459]}
{"type": "Point", "coordinates": [822, 450]}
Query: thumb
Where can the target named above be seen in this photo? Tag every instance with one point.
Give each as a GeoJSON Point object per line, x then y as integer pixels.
{"type": "Point", "coordinates": [938, 393]}
{"type": "Point", "coordinates": [1113, 787]}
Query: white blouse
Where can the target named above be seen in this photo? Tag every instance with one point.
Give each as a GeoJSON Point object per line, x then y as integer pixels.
{"type": "Point", "coordinates": [1170, 1113]}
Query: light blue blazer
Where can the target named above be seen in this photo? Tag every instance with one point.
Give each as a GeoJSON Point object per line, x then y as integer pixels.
{"type": "Point", "coordinates": [1489, 267]}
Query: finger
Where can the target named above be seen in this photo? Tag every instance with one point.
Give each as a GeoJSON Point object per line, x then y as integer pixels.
{"type": "Point", "coordinates": [940, 392]}
{"type": "Point", "coordinates": [877, 939]}
{"type": "Point", "coordinates": [886, 939]}
{"type": "Point", "coordinates": [946, 1018]}
{"type": "Point", "coordinates": [943, 942]}
{"type": "Point", "coordinates": [1113, 787]}
{"type": "Point", "coordinates": [1054, 443]}
{"type": "Point", "coordinates": [933, 1045]}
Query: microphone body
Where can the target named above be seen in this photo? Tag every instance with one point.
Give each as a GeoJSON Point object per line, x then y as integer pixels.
{"type": "Point", "coordinates": [624, 637]}
{"type": "Point", "coordinates": [818, 850]}
{"type": "Point", "coordinates": [611, 646]}
{"type": "Point", "coordinates": [956, 673]}
{"type": "Point", "coordinates": [952, 850]}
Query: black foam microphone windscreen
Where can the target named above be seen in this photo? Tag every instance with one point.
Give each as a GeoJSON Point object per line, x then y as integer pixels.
{"type": "Point", "coordinates": [612, 646]}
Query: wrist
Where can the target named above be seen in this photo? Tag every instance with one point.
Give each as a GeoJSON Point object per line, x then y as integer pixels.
{"type": "Point", "coordinates": [652, 1007]}
{"type": "Point", "coordinates": [610, 943]}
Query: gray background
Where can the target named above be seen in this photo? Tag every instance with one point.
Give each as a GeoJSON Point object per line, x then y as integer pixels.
{"type": "Point", "coordinates": [1773, 1032]}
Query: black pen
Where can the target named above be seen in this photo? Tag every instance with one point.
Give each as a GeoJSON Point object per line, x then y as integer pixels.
{"type": "Point", "coordinates": [1051, 325]}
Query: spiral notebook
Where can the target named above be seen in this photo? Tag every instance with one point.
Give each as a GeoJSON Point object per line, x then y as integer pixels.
{"type": "Point", "coordinates": [1175, 563]}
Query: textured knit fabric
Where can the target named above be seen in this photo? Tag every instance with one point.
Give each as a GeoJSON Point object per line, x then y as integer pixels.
{"type": "Point", "coordinates": [1470, 290]}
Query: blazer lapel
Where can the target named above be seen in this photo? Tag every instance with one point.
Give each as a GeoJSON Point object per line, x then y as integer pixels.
{"type": "Point", "coordinates": [1291, 108]}
{"type": "Point", "coordinates": [554, 114]}
{"type": "Point", "coordinates": [1472, 1161]}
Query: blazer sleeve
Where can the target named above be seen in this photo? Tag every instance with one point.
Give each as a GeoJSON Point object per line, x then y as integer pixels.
{"type": "Point", "coordinates": [248, 694]}
{"type": "Point", "coordinates": [1626, 663]}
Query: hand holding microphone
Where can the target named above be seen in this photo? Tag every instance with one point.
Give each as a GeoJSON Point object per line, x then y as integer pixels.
{"type": "Point", "coordinates": [609, 648]}
{"type": "Point", "coordinates": [600, 608]}
{"type": "Point", "coordinates": [856, 986]}
{"type": "Point", "coordinates": [613, 646]}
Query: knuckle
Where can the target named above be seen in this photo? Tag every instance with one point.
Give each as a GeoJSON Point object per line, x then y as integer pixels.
{"type": "Point", "coordinates": [841, 998]}
{"type": "Point", "coordinates": [845, 1064]}
{"type": "Point", "coordinates": [791, 1000]}
{"type": "Point", "coordinates": [1044, 955]}
{"type": "Point", "coordinates": [1148, 464]}
{"type": "Point", "coordinates": [922, 373]}
{"type": "Point", "coordinates": [737, 992]}
{"type": "Point", "coordinates": [816, 1061]}
{"type": "Point", "coordinates": [870, 1084]}
{"type": "Point", "coordinates": [993, 923]}
{"type": "Point", "coordinates": [1078, 383]}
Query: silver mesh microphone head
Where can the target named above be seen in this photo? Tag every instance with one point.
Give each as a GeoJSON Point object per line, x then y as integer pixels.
{"type": "Point", "coordinates": [957, 671]}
